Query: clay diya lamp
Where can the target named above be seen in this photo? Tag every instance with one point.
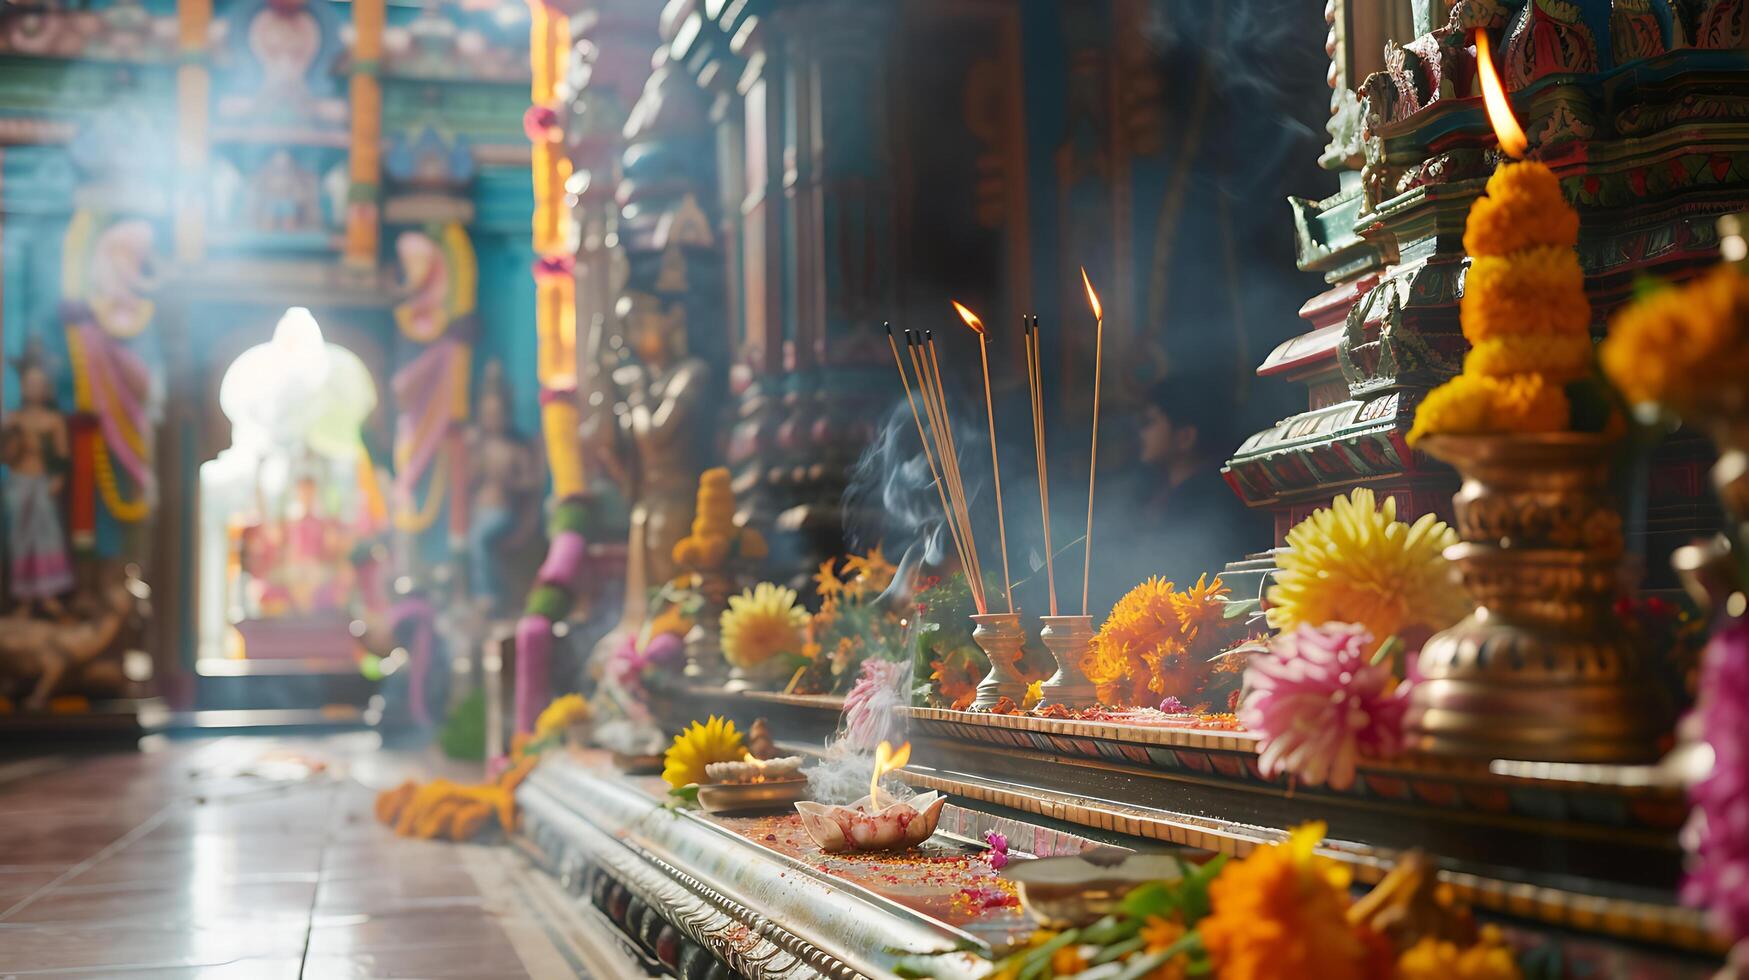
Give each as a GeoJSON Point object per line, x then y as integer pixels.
{"type": "Point", "coordinates": [876, 822]}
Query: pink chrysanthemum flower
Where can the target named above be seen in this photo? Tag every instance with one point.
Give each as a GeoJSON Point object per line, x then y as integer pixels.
{"type": "Point", "coordinates": [1717, 834]}
{"type": "Point", "coordinates": [1320, 705]}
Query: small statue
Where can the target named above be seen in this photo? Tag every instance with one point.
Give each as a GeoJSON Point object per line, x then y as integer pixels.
{"type": "Point", "coordinates": [659, 422]}
{"type": "Point", "coordinates": [504, 492]}
{"type": "Point", "coordinates": [35, 450]}
{"type": "Point", "coordinates": [44, 656]}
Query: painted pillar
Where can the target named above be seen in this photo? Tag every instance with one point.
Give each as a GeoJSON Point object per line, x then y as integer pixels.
{"type": "Point", "coordinates": [363, 221]}
{"type": "Point", "coordinates": [193, 106]}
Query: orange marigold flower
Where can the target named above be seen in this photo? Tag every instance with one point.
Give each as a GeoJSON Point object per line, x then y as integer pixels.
{"type": "Point", "coordinates": [1682, 345]}
{"type": "Point", "coordinates": [1559, 357]}
{"type": "Point", "coordinates": [1523, 208]}
{"type": "Point", "coordinates": [1068, 961]}
{"type": "Point", "coordinates": [1469, 404]}
{"type": "Point", "coordinates": [1281, 913]}
{"type": "Point", "coordinates": [1536, 291]}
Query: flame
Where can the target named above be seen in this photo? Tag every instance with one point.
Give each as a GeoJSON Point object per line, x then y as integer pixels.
{"type": "Point", "coordinates": [968, 316]}
{"type": "Point", "coordinates": [1506, 128]}
{"type": "Point", "coordinates": [1092, 297]}
{"type": "Point", "coordinates": [886, 758]}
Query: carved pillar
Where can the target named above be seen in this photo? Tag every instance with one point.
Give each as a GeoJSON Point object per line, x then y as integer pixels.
{"type": "Point", "coordinates": [827, 64]}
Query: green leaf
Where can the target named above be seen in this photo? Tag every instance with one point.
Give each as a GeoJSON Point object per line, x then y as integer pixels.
{"type": "Point", "coordinates": [1242, 608]}
{"type": "Point", "coordinates": [1158, 898]}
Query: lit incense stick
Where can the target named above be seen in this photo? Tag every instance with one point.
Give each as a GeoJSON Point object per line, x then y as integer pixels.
{"type": "Point", "coordinates": [995, 466]}
{"type": "Point", "coordinates": [1093, 461]}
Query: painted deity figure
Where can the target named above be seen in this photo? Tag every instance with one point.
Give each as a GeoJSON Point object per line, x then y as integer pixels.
{"type": "Point", "coordinates": [35, 444]}
{"type": "Point", "coordinates": [504, 491]}
{"type": "Point", "coordinates": [659, 423]}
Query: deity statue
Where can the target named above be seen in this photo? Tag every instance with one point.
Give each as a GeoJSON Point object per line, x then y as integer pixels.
{"type": "Point", "coordinates": [35, 450]}
{"type": "Point", "coordinates": [39, 657]}
{"type": "Point", "coordinates": [658, 446]}
{"type": "Point", "coordinates": [503, 493]}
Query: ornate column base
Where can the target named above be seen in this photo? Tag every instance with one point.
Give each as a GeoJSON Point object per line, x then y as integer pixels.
{"type": "Point", "coordinates": [1067, 637]}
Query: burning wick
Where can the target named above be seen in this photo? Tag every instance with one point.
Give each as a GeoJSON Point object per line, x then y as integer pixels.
{"type": "Point", "coordinates": [995, 467]}
{"type": "Point", "coordinates": [1513, 142]}
{"type": "Point", "coordinates": [886, 760]}
{"type": "Point", "coordinates": [1093, 460]}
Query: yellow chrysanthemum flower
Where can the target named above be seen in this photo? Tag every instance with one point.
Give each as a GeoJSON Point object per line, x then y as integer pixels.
{"type": "Point", "coordinates": [1682, 344]}
{"type": "Point", "coordinates": [714, 740]}
{"type": "Point", "coordinates": [565, 711]}
{"type": "Point", "coordinates": [761, 623]}
{"type": "Point", "coordinates": [1432, 958]}
{"type": "Point", "coordinates": [1356, 563]}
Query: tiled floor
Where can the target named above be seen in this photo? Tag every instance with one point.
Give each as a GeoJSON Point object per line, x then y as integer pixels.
{"type": "Point", "coordinates": [258, 859]}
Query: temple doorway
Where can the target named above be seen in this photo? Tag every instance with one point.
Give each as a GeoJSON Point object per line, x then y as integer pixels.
{"type": "Point", "coordinates": [286, 511]}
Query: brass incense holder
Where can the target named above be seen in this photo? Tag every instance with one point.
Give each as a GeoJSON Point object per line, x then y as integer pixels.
{"type": "Point", "coordinates": [1067, 637]}
{"type": "Point", "coordinates": [1000, 637]}
{"type": "Point", "coordinates": [703, 644]}
{"type": "Point", "coordinates": [1541, 670]}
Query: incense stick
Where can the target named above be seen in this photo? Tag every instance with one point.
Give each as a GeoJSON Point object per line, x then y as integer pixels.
{"type": "Point", "coordinates": [1093, 460]}
{"type": "Point", "coordinates": [927, 351]}
{"type": "Point", "coordinates": [954, 450]}
{"type": "Point", "coordinates": [1035, 385]}
{"type": "Point", "coordinates": [934, 473]}
{"type": "Point", "coordinates": [995, 459]}
{"type": "Point", "coordinates": [941, 433]}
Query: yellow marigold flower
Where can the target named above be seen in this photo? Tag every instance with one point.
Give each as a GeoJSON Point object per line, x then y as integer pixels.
{"type": "Point", "coordinates": [1434, 959]}
{"type": "Point", "coordinates": [1537, 291]}
{"type": "Point", "coordinates": [715, 740]}
{"type": "Point", "coordinates": [1523, 208]}
{"type": "Point", "coordinates": [1035, 692]}
{"type": "Point", "coordinates": [1354, 562]}
{"type": "Point", "coordinates": [1469, 404]}
{"type": "Point", "coordinates": [565, 711]}
{"type": "Point", "coordinates": [761, 623]}
{"type": "Point", "coordinates": [1558, 357]}
{"type": "Point", "coordinates": [1680, 345]}
{"type": "Point", "coordinates": [1281, 913]}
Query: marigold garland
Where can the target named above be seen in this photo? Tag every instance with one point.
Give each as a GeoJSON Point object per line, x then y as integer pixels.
{"type": "Point", "coordinates": [454, 811]}
{"type": "Point", "coordinates": [1354, 562]}
{"type": "Point", "coordinates": [1524, 310]}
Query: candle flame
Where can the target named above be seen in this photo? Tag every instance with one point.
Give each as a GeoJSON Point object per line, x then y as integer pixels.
{"type": "Point", "coordinates": [1092, 297]}
{"type": "Point", "coordinates": [1513, 142]}
{"type": "Point", "coordinates": [968, 316]}
{"type": "Point", "coordinates": [886, 760]}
